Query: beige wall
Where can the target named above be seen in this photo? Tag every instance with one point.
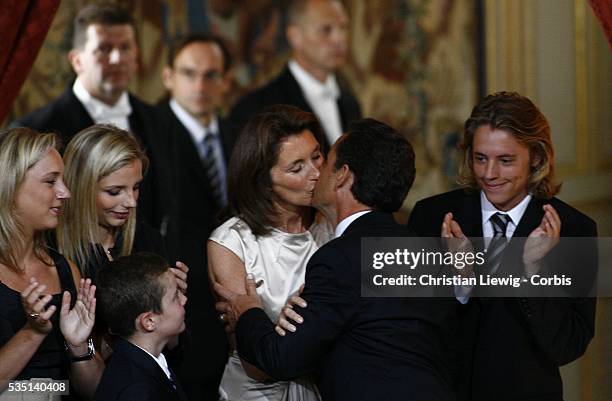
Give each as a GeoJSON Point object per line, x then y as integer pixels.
{"type": "Point", "coordinates": [555, 52]}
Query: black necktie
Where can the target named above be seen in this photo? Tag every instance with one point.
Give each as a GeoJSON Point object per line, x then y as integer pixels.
{"type": "Point", "coordinates": [495, 250]}
{"type": "Point", "coordinates": [207, 153]}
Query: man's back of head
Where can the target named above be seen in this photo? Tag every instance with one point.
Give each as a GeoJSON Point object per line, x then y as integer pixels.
{"type": "Point", "coordinates": [371, 167]}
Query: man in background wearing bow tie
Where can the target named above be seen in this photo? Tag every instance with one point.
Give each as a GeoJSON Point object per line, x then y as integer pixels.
{"type": "Point", "coordinates": [317, 32]}
{"type": "Point", "coordinates": [104, 58]}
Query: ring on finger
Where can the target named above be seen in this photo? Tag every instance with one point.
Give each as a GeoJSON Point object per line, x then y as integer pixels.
{"type": "Point", "coordinates": [34, 315]}
{"type": "Point", "coordinates": [222, 317]}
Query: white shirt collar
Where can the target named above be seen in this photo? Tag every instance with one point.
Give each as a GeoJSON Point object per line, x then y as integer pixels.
{"type": "Point", "coordinates": [343, 225]}
{"type": "Point", "coordinates": [516, 213]}
{"type": "Point", "coordinates": [312, 86]}
{"type": "Point", "coordinates": [161, 361]}
{"type": "Point", "coordinates": [194, 126]}
{"type": "Point", "coordinates": [101, 112]}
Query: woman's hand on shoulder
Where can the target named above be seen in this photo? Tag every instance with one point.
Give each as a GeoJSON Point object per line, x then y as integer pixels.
{"type": "Point", "coordinates": [289, 315]}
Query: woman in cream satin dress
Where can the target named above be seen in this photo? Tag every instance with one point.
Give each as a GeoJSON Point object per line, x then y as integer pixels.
{"type": "Point", "coordinates": [273, 233]}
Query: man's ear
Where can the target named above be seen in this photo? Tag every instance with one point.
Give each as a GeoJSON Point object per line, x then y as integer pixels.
{"type": "Point", "coordinates": [167, 77]}
{"type": "Point", "coordinates": [294, 36]}
{"type": "Point", "coordinates": [226, 82]}
{"type": "Point", "coordinates": [344, 177]}
{"type": "Point", "coordinates": [75, 61]}
{"type": "Point", "coordinates": [536, 161]}
{"type": "Point", "coordinates": [146, 322]}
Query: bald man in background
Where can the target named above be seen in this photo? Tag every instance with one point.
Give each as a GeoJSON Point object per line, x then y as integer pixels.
{"type": "Point", "coordinates": [317, 32]}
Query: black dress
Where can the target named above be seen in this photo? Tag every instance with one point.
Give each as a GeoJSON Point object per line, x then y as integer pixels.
{"type": "Point", "coordinates": [146, 239]}
{"type": "Point", "coordinates": [51, 359]}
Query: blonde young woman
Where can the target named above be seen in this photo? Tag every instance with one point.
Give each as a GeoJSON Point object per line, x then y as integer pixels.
{"type": "Point", "coordinates": [104, 168]}
{"type": "Point", "coordinates": [44, 323]}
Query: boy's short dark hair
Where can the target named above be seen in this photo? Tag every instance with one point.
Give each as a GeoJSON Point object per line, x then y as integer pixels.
{"type": "Point", "coordinates": [129, 286]}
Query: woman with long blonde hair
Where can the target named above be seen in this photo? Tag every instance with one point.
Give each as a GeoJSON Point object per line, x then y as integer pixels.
{"type": "Point", "coordinates": [104, 168]}
{"type": "Point", "coordinates": [37, 340]}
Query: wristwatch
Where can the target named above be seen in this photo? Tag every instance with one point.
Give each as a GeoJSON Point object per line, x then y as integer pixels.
{"type": "Point", "coordinates": [91, 351]}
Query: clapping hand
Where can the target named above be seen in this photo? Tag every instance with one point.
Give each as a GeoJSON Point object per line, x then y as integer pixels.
{"type": "Point", "coordinates": [456, 241]}
{"type": "Point", "coordinates": [76, 323]}
{"type": "Point", "coordinates": [289, 313]}
{"type": "Point", "coordinates": [34, 307]}
{"type": "Point", "coordinates": [541, 240]}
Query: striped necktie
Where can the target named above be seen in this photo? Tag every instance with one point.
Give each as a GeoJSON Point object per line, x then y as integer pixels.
{"type": "Point", "coordinates": [495, 250]}
{"type": "Point", "coordinates": [207, 154]}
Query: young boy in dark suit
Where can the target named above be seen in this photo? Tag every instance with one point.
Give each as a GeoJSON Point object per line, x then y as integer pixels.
{"type": "Point", "coordinates": [140, 301]}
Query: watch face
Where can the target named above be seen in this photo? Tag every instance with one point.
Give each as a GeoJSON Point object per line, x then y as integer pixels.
{"type": "Point", "coordinates": [91, 351]}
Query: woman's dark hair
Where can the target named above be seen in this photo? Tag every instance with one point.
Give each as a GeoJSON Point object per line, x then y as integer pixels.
{"type": "Point", "coordinates": [256, 151]}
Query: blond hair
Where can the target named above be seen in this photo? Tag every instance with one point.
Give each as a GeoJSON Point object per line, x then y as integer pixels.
{"type": "Point", "coordinates": [520, 117]}
{"type": "Point", "coordinates": [91, 155]}
{"type": "Point", "coordinates": [20, 150]}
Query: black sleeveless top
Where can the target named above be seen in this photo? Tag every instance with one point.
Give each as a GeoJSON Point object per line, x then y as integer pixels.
{"type": "Point", "coordinates": [51, 359]}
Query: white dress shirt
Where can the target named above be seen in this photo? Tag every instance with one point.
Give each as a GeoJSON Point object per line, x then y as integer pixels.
{"type": "Point", "coordinates": [161, 361]}
{"type": "Point", "coordinates": [343, 225]}
{"type": "Point", "coordinates": [198, 132]}
{"type": "Point", "coordinates": [322, 98]}
{"type": "Point", "coordinates": [102, 113]}
{"type": "Point", "coordinates": [487, 209]}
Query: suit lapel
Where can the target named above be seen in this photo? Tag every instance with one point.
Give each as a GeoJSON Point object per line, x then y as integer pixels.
{"type": "Point", "coordinates": [78, 117]}
{"type": "Point", "coordinates": [147, 365]}
{"type": "Point", "coordinates": [293, 91]}
{"type": "Point", "coordinates": [136, 123]}
{"type": "Point", "coordinates": [531, 218]}
{"type": "Point", "coordinates": [344, 110]}
{"type": "Point", "coordinates": [187, 151]}
{"type": "Point", "coordinates": [226, 135]}
{"type": "Point", "coordinates": [469, 215]}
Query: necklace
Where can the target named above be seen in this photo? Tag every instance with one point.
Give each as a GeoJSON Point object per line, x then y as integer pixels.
{"type": "Point", "coordinates": [108, 253]}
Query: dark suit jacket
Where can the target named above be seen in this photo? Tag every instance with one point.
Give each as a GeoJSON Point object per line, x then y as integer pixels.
{"type": "Point", "coordinates": [198, 215]}
{"type": "Point", "coordinates": [66, 116]}
{"type": "Point", "coordinates": [361, 348]}
{"type": "Point", "coordinates": [131, 374]}
{"type": "Point", "coordinates": [284, 89]}
{"type": "Point", "coordinates": [513, 347]}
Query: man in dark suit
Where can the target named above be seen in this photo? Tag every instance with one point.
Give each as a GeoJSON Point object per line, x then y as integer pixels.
{"type": "Point", "coordinates": [197, 80]}
{"type": "Point", "coordinates": [317, 34]}
{"type": "Point", "coordinates": [513, 347]}
{"type": "Point", "coordinates": [140, 301]}
{"type": "Point", "coordinates": [104, 58]}
{"type": "Point", "coordinates": [359, 348]}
